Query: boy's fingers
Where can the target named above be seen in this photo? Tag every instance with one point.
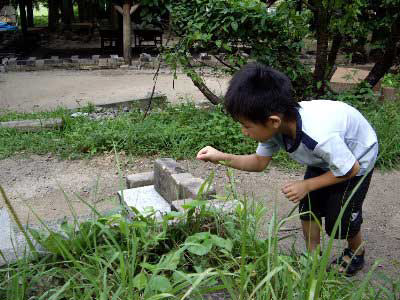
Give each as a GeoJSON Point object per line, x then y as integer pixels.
{"type": "Point", "coordinates": [286, 189]}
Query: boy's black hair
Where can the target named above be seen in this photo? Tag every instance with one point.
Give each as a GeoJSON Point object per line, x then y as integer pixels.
{"type": "Point", "coordinates": [257, 91]}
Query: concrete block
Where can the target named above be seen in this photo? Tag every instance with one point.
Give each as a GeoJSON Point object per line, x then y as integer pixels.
{"type": "Point", "coordinates": [140, 179]}
{"type": "Point", "coordinates": [223, 206]}
{"type": "Point", "coordinates": [114, 56]}
{"type": "Point", "coordinates": [39, 62]}
{"type": "Point", "coordinates": [2, 69]}
{"type": "Point", "coordinates": [189, 186]}
{"type": "Point", "coordinates": [50, 61]}
{"type": "Point", "coordinates": [112, 62]}
{"type": "Point", "coordinates": [103, 62]}
{"type": "Point", "coordinates": [13, 245]}
{"type": "Point", "coordinates": [146, 200]}
{"type": "Point", "coordinates": [75, 57]}
{"type": "Point", "coordinates": [95, 57]}
{"type": "Point", "coordinates": [12, 61]}
{"type": "Point", "coordinates": [30, 63]}
{"type": "Point", "coordinates": [54, 57]}
{"type": "Point", "coordinates": [176, 205]}
{"type": "Point", "coordinates": [4, 61]}
{"type": "Point", "coordinates": [86, 61]}
{"type": "Point", "coordinates": [391, 94]}
{"type": "Point", "coordinates": [163, 182]}
{"type": "Point", "coordinates": [32, 58]}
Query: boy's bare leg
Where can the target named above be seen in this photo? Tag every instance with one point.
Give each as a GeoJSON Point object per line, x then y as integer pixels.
{"type": "Point", "coordinates": [355, 244]}
{"type": "Point", "coordinates": [311, 234]}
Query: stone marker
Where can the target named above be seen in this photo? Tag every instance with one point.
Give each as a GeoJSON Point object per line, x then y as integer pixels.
{"type": "Point", "coordinates": [188, 186]}
{"type": "Point", "coordinates": [163, 181]}
{"type": "Point", "coordinates": [146, 200]}
{"type": "Point", "coordinates": [33, 125]}
{"type": "Point", "coordinates": [225, 206]}
{"type": "Point", "coordinates": [140, 179]}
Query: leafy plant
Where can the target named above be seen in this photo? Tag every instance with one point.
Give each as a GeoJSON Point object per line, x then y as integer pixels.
{"type": "Point", "coordinates": [391, 80]}
{"type": "Point", "coordinates": [192, 253]}
{"type": "Point", "coordinates": [235, 32]}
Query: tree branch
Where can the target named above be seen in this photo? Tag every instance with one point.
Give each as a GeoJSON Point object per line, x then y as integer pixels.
{"type": "Point", "coordinates": [224, 63]}
{"type": "Point", "coordinates": [199, 83]}
{"type": "Point", "coordinates": [134, 8]}
{"type": "Point", "coordinates": [119, 9]}
{"type": "Point", "coordinates": [310, 7]}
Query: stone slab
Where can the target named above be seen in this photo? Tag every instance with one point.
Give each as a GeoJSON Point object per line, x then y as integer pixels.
{"type": "Point", "coordinates": [146, 200]}
{"type": "Point", "coordinates": [12, 242]}
{"type": "Point", "coordinates": [139, 180]}
{"type": "Point", "coordinates": [347, 78]}
{"type": "Point", "coordinates": [225, 206]}
{"type": "Point", "coordinates": [188, 186]}
{"type": "Point", "coordinates": [164, 184]}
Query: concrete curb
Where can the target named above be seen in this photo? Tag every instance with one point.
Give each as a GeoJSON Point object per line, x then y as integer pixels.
{"type": "Point", "coordinates": [74, 62]}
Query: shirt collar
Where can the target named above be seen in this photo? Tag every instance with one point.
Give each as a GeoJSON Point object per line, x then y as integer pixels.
{"type": "Point", "coordinates": [299, 132]}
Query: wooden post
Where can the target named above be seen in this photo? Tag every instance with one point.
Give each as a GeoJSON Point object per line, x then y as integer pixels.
{"type": "Point", "coordinates": [126, 12]}
{"type": "Point", "coordinates": [29, 12]}
{"type": "Point", "coordinates": [127, 31]}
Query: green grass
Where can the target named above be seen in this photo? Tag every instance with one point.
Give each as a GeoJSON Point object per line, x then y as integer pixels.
{"type": "Point", "coordinates": [177, 132]}
{"type": "Point", "coordinates": [185, 255]}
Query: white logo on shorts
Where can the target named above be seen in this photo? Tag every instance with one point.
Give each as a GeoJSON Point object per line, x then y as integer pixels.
{"type": "Point", "coordinates": [354, 216]}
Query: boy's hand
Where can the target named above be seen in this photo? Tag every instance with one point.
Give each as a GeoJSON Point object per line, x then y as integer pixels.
{"type": "Point", "coordinates": [296, 190]}
{"type": "Point", "coordinates": [211, 154]}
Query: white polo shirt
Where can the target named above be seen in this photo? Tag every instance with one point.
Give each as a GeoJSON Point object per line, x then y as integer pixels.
{"type": "Point", "coordinates": [330, 135]}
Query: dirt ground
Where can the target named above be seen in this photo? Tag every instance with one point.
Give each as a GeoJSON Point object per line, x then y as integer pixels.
{"type": "Point", "coordinates": [48, 185]}
{"type": "Point", "coordinates": [47, 90]}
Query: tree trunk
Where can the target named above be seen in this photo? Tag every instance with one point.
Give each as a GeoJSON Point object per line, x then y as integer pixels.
{"type": "Point", "coordinates": [322, 49]}
{"type": "Point", "coordinates": [29, 12]}
{"type": "Point", "coordinates": [53, 15]}
{"type": "Point", "coordinates": [81, 10]}
{"type": "Point", "coordinates": [127, 29]}
{"type": "Point", "coordinates": [22, 14]}
{"type": "Point", "coordinates": [199, 83]}
{"type": "Point", "coordinates": [336, 43]}
{"type": "Point", "coordinates": [385, 63]}
{"type": "Point", "coordinates": [66, 13]}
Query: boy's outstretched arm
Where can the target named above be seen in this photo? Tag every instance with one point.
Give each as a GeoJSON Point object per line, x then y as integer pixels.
{"type": "Point", "coordinates": [251, 163]}
{"type": "Point", "coordinates": [297, 190]}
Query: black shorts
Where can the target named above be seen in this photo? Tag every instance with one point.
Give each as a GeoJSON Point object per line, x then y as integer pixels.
{"type": "Point", "coordinates": [327, 202]}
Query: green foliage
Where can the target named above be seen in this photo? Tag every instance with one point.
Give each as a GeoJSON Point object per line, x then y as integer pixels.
{"type": "Point", "coordinates": [193, 253]}
{"type": "Point", "coordinates": [177, 131]}
{"type": "Point", "coordinates": [180, 132]}
{"type": "Point", "coordinates": [391, 80]}
{"type": "Point", "coordinates": [236, 32]}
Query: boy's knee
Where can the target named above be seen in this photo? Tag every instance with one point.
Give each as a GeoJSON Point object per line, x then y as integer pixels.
{"type": "Point", "coordinates": [348, 227]}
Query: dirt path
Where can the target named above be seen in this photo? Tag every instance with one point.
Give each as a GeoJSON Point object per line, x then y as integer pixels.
{"type": "Point", "coordinates": [45, 182]}
{"type": "Point", "coordinates": [46, 90]}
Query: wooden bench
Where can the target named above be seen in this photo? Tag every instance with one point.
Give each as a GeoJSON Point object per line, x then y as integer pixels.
{"type": "Point", "coordinates": [110, 39]}
{"type": "Point", "coordinates": [145, 36]}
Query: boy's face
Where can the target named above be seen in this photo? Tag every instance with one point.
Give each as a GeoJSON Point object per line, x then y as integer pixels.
{"type": "Point", "coordinates": [260, 131]}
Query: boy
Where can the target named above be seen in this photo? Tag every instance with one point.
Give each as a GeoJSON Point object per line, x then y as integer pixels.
{"type": "Point", "coordinates": [333, 139]}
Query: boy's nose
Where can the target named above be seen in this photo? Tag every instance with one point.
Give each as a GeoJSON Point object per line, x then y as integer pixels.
{"type": "Point", "coordinates": [244, 131]}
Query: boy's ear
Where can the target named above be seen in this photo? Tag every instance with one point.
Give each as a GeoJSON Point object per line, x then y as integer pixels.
{"type": "Point", "coordinates": [274, 121]}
